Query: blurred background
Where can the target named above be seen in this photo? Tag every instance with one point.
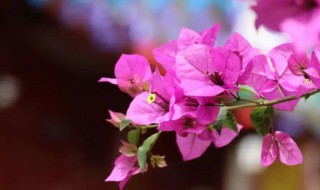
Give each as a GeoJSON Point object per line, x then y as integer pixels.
{"type": "Point", "coordinates": [53, 134]}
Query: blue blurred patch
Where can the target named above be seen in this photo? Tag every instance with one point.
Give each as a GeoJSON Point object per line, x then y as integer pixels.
{"type": "Point", "coordinates": [38, 3]}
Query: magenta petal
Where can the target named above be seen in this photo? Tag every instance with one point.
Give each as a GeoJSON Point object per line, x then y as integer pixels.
{"type": "Point", "coordinates": [191, 146]}
{"type": "Point", "coordinates": [200, 88]}
{"type": "Point", "coordinates": [160, 86]}
{"type": "Point", "coordinates": [232, 70]}
{"type": "Point", "coordinates": [200, 57]}
{"type": "Point", "coordinates": [289, 151]}
{"type": "Point", "coordinates": [305, 88]}
{"type": "Point", "coordinates": [297, 62]}
{"type": "Point", "coordinates": [207, 114]}
{"type": "Point", "coordinates": [291, 82]}
{"type": "Point", "coordinates": [132, 71]}
{"type": "Point", "coordinates": [259, 77]}
{"type": "Point", "coordinates": [110, 80]}
{"type": "Point", "coordinates": [196, 128]}
{"type": "Point", "coordinates": [118, 174]}
{"type": "Point", "coordinates": [187, 37]}
{"type": "Point", "coordinates": [280, 9]}
{"type": "Point", "coordinates": [314, 76]}
{"type": "Point", "coordinates": [143, 113]}
{"type": "Point", "coordinates": [279, 57]}
{"type": "Point", "coordinates": [306, 29]}
{"type": "Point", "coordinates": [240, 46]}
{"type": "Point", "coordinates": [225, 137]}
{"type": "Point", "coordinates": [185, 70]}
{"type": "Point", "coordinates": [171, 125]}
{"type": "Point", "coordinates": [209, 36]}
{"type": "Point", "coordinates": [269, 150]}
{"type": "Point", "coordinates": [277, 92]}
{"type": "Point", "coordinates": [123, 165]}
{"type": "Point", "coordinates": [166, 54]}
{"type": "Point", "coordinates": [124, 182]}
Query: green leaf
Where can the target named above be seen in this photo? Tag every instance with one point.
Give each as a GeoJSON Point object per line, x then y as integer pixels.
{"type": "Point", "coordinates": [220, 119]}
{"type": "Point", "coordinates": [230, 122]}
{"type": "Point", "coordinates": [133, 136]}
{"type": "Point", "coordinates": [145, 148]}
{"type": "Point", "coordinates": [124, 123]}
{"type": "Point", "coordinates": [261, 118]}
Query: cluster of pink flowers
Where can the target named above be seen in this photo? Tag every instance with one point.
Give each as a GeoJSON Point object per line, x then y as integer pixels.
{"type": "Point", "coordinates": [200, 82]}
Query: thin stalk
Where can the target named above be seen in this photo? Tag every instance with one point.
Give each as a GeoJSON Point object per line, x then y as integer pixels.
{"type": "Point", "coordinates": [272, 102]}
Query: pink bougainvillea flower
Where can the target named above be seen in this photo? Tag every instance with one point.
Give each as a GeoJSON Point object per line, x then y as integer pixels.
{"type": "Point", "coordinates": [125, 167]}
{"type": "Point", "coordinates": [275, 80]}
{"type": "Point", "coordinates": [191, 146]}
{"type": "Point", "coordinates": [300, 65]}
{"type": "Point", "coordinates": [299, 19]}
{"type": "Point", "coordinates": [166, 54]}
{"type": "Point", "coordinates": [144, 111]}
{"type": "Point", "coordinates": [313, 70]}
{"type": "Point", "coordinates": [220, 140]}
{"type": "Point", "coordinates": [194, 145]}
{"type": "Point", "coordinates": [205, 71]}
{"type": "Point", "coordinates": [205, 109]}
{"type": "Point", "coordinates": [182, 126]}
{"type": "Point", "coordinates": [116, 118]}
{"type": "Point", "coordinates": [132, 74]}
{"type": "Point", "coordinates": [242, 48]}
{"type": "Point", "coordinates": [280, 143]}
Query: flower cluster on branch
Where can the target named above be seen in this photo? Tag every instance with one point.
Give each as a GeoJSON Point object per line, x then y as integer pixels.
{"type": "Point", "coordinates": [200, 86]}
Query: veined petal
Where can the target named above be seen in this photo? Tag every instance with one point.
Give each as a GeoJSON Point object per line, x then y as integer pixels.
{"type": "Point", "coordinates": [184, 70]}
{"type": "Point", "coordinates": [143, 113]}
{"type": "Point", "coordinates": [166, 54]}
{"type": "Point", "coordinates": [187, 37]}
{"type": "Point", "coordinates": [207, 114]}
{"type": "Point", "coordinates": [123, 166]}
{"type": "Point", "coordinates": [279, 57]}
{"type": "Point", "coordinates": [289, 151]}
{"type": "Point", "coordinates": [232, 70]}
{"type": "Point", "coordinates": [259, 77]}
{"type": "Point", "coordinates": [209, 36]}
{"type": "Point", "coordinates": [269, 150]}
{"type": "Point", "coordinates": [132, 71]}
{"type": "Point", "coordinates": [191, 146]}
{"type": "Point", "coordinates": [225, 137]}
{"type": "Point", "coordinates": [200, 57]}
{"type": "Point", "coordinates": [200, 88]}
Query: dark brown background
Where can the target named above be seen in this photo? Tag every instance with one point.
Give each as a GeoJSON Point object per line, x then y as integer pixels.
{"type": "Point", "coordinates": [55, 136]}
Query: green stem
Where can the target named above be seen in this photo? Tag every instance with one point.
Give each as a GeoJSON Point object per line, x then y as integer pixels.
{"type": "Point", "coordinates": [270, 103]}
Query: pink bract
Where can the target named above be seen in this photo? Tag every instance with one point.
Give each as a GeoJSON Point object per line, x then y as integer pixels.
{"type": "Point", "coordinates": [273, 79]}
{"type": "Point", "coordinates": [166, 54]}
{"type": "Point", "coordinates": [132, 73]}
{"type": "Point", "coordinates": [280, 143]}
{"type": "Point", "coordinates": [124, 168]}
